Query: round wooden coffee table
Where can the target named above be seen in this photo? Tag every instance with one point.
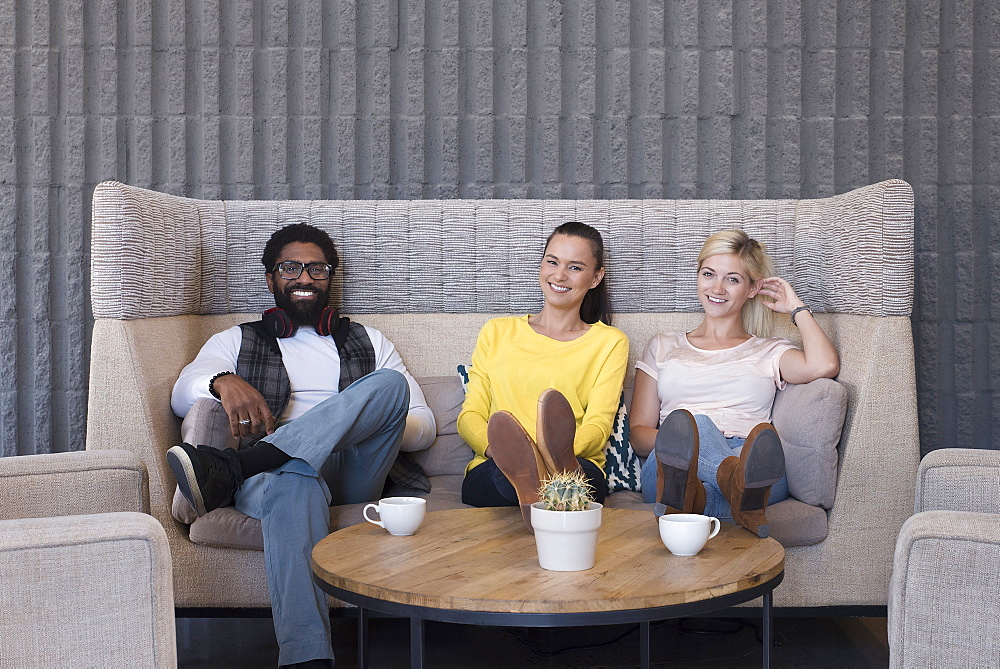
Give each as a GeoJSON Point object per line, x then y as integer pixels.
{"type": "Point", "coordinates": [480, 567]}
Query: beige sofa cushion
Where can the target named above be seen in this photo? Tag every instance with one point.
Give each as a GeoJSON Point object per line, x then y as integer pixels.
{"type": "Point", "coordinates": [449, 454]}
{"type": "Point", "coordinates": [230, 528]}
{"type": "Point", "coordinates": [206, 424]}
{"type": "Point", "coordinates": [810, 417]}
{"type": "Point", "coordinates": [793, 523]}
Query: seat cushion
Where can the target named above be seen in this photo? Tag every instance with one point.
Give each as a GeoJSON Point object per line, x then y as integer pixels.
{"type": "Point", "coordinates": [229, 528]}
{"type": "Point", "coordinates": [207, 423]}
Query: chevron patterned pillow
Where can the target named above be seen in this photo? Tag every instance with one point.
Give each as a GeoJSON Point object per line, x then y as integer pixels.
{"type": "Point", "coordinates": [622, 464]}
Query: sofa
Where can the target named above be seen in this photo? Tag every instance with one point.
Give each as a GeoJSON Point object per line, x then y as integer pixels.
{"type": "Point", "coordinates": [169, 271]}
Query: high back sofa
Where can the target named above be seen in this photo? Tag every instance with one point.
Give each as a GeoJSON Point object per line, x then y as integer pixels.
{"type": "Point", "coordinates": [168, 272]}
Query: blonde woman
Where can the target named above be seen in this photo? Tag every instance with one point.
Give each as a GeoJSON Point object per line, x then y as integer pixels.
{"type": "Point", "coordinates": [701, 408]}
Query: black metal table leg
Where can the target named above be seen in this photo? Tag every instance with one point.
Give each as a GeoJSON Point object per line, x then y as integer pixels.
{"type": "Point", "coordinates": [416, 643]}
{"type": "Point", "coordinates": [644, 644]}
{"type": "Point", "coordinates": [362, 637]}
{"type": "Point", "coordinates": [767, 630]}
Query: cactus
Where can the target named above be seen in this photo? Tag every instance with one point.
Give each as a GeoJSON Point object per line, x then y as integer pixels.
{"type": "Point", "coordinates": [566, 491]}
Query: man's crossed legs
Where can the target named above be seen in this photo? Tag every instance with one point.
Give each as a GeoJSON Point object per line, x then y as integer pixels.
{"type": "Point", "coordinates": [353, 439]}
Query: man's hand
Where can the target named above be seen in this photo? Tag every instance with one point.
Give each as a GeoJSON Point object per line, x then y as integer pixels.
{"type": "Point", "coordinates": [246, 408]}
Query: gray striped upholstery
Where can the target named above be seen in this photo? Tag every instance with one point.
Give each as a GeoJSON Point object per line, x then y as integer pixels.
{"type": "Point", "coordinates": [852, 253]}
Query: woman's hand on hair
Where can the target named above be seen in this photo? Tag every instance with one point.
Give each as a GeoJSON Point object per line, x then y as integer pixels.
{"type": "Point", "coordinates": [818, 357]}
{"type": "Point", "coordinates": [782, 296]}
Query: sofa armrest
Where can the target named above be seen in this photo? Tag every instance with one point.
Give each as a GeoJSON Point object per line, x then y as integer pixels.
{"type": "Point", "coordinates": [945, 591]}
{"type": "Point", "coordinates": [86, 591]}
{"type": "Point", "coordinates": [959, 479]}
{"type": "Point", "coordinates": [76, 483]}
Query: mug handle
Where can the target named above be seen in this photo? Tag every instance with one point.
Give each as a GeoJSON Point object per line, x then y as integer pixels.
{"type": "Point", "coordinates": [717, 524]}
{"type": "Point", "coordinates": [364, 513]}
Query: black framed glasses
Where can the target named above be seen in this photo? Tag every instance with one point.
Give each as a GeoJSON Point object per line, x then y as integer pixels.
{"type": "Point", "coordinates": [293, 270]}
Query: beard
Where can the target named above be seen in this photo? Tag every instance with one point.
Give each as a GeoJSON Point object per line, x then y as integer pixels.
{"type": "Point", "coordinates": [302, 312]}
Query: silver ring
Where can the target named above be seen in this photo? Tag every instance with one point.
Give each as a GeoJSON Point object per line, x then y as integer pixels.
{"type": "Point", "coordinates": [245, 422]}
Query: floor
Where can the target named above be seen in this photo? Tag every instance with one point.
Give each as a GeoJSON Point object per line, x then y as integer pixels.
{"type": "Point", "coordinates": [691, 642]}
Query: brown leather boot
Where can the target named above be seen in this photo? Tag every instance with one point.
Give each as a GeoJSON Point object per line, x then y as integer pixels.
{"type": "Point", "coordinates": [678, 487]}
{"type": "Point", "coordinates": [746, 480]}
{"type": "Point", "coordinates": [556, 432]}
{"type": "Point", "coordinates": [514, 452]}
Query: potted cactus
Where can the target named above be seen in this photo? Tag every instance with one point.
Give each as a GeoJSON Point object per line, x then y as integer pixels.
{"type": "Point", "coordinates": [565, 520]}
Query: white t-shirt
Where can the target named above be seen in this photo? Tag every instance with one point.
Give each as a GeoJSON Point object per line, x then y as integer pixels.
{"type": "Point", "coordinates": [734, 387]}
{"type": "Point", "coordinates": [313, 366]}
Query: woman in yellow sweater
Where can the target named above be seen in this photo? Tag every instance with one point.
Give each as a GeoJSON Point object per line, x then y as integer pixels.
{"type": "Point", "coordinates": [543, 389]}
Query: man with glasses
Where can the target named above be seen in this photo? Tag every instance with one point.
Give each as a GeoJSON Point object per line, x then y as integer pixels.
{"type": "Point", "coordinates": [321, 406]}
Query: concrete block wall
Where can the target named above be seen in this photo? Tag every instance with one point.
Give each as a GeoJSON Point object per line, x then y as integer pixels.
{"type": "Point", "coordinates": [495, 98]}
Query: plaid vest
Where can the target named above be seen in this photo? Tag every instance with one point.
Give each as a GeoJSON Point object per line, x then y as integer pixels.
{"type": "Point", "coordinates": [260, 363]}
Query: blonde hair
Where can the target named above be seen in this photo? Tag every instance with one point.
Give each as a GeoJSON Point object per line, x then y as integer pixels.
{"type": "Point", "coordinates": [757, 319]}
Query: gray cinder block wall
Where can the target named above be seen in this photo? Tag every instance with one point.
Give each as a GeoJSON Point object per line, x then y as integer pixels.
{"type": "Point", "coordinates": [495, 98]}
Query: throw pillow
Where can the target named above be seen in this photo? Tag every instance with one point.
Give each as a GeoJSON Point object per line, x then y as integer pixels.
{"type": "Point", "coordinates": [809, 417]}
{"type": "Point", "coordinates": [206, 423]}
{"type": "Point", "coordinates": [621, 466]}
{"type": "Point", "coordinates": [448, 455]}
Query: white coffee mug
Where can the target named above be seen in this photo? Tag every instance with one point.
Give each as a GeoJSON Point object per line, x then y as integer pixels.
{"type": "Point", "coordinates": [400, 515]}
{"type": "Point", "coordinates": [687, 533]}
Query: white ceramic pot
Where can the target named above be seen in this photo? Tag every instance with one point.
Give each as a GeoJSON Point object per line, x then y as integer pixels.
{"type": "Point", "coordinates": [566, 540]}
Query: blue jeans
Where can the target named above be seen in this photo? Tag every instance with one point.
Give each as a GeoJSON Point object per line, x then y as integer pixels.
{"type": "Point", "coordinates": [713, 448]}
{"type": "Point", "coordinates": [342, 450]}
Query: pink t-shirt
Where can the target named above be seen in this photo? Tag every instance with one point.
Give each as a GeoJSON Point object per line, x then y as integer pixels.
{"type": "Point", "coordinates": [734, 387]}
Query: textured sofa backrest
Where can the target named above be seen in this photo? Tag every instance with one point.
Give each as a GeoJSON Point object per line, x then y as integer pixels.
{"type": "Point", "coordinates": [852, 253]}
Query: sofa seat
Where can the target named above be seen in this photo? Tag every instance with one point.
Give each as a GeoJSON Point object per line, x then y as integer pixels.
{"type": "Point", "coordinates": [793, 523]}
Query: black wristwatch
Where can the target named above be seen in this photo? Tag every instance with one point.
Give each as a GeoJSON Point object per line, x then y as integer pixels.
{"type": "Point", "coordinates": [797, 310]}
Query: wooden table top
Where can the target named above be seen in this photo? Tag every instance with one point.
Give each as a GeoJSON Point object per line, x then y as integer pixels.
{"type": "Point", "coordinates": [485, 560]}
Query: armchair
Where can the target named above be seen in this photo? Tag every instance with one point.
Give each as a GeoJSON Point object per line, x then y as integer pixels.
{"type": "Point", "coordinates": [86, 591]}
{"type": "Point", "coordinates": [85, 578]}
{"type": "Point", "coordinates": [945, 589]}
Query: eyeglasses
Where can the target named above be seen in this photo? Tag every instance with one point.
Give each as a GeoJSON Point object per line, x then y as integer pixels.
{"type": "Point", "coordinates": [293, 270]}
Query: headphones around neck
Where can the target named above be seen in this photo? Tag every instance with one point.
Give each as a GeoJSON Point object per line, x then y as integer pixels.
{"type": "Point", "coordinates": [278, 323]}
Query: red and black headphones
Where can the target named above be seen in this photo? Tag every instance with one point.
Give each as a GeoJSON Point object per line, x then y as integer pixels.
{"type": "Point", "coordinates": [278, 323]}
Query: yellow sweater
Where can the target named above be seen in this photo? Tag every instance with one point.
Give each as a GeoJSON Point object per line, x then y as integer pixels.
{"type": "Point", "coordinates": [512, 364]}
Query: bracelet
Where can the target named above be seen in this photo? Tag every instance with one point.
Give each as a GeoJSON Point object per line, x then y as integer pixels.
{"type": "Point", "coordinates": [211, 383]}
{"type": "Point", "coordinates": [797, 310]}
